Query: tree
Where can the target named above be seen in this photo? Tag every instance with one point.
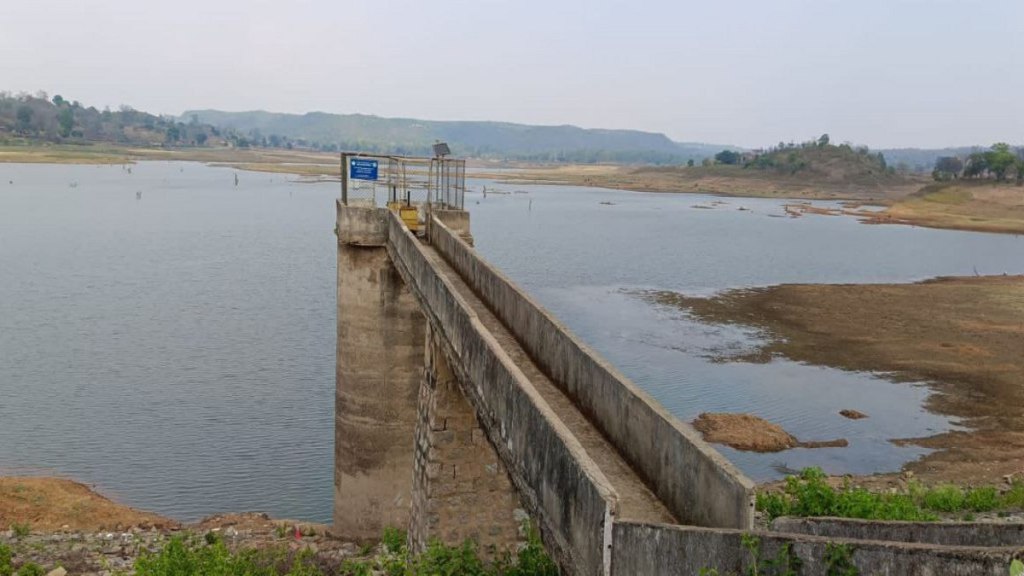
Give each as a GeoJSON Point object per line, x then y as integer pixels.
{"type": "Point", "coordinates": [976, 166]}
{"type": "Point", "coordinates": [24, 116]}
{"type": "Point", "coordinates": [58, 100]}
{"type": "Point", "coordinates": [823, 140]}
{"type": "Point", "coordinates": [947, 168]}
{"type": "Point", "coordinates": [66, 120]}
{"type": "Point", "coordinates": [689, 163]}
{"type": "Point", "coordinates": [201, 138]}
{"type": "Point", "coordinates": [1000, 159]}
{"type": "Point", "coordinates": [1020, 166]}
{"type": "Point", "coordinates": [728, 157]}
{"type": "Point", "coordinates": [173, 133]}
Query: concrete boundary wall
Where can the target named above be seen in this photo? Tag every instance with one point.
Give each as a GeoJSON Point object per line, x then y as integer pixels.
{"type": "Point", "coordinates": [945, 533]}
{"type": "Point", "coordinates": [697, 484]}
{"type": "Point", "coordinates": [563, 488]}
{"type": "Point", "coordinates": [685, 550]}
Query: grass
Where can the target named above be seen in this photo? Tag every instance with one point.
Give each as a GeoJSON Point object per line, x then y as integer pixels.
{"type": "Point", "coordinates": [809, 494]}
{"type": "Point", "coordinates": [189, 555]}
{"type": "Point", "coordinates": [21, 529]}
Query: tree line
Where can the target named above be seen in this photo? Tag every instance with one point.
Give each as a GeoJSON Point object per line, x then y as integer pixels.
{"type": "Point", "coordinates": [39, 118]}
{"type": "Point", "coordinates": [999, 163]}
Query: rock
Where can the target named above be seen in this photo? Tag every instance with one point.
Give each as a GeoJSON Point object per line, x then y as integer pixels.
{"type": "Point", "coordinates": [852, 414]}
{"type": "Point", "coordinates": [58, 571]}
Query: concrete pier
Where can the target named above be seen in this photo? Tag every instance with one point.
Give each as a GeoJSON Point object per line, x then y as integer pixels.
{"type": "Point", "coordinates": [379, 368]}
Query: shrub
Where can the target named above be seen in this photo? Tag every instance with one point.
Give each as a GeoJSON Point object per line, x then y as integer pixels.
{"type": "Point", "coordinates": [984, 499]}
{"type": "Point", "coordinates": [810, 495]}
{"type": "Point", "coordinates": [945, 499]}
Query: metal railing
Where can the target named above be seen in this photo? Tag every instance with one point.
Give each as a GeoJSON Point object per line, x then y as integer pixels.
{"type": "Point", "coordinates": [384, 180]}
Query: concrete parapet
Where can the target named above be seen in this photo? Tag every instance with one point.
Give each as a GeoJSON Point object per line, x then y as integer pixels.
{"type": "Point", "coordinates": [944, 533]}
{"type": "Point", "coordinates": [457, 221]}
{"type": "Point", "coordinates": [557, 481]}
{"type": "Point", "coordinates": [361, 226]}
{"type": "Point", "coordinates": [697, 484]}
{"type": "Point", "coordinates": [685, 550]}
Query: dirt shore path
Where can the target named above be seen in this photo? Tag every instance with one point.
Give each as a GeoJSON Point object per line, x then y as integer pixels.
{"type": "Point", "coordinates": [963, 336]}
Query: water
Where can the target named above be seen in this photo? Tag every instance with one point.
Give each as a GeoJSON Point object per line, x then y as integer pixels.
{"type": "Point", "coordinates": [584, 259]}
{"type": "Point", "coordinates": [177, 350]}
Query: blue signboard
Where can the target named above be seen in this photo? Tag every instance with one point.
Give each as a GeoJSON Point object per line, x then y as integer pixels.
{"type": "Point", "coordinates": [362, 169]}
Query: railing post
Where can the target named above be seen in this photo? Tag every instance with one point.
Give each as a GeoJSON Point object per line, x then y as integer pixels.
{"type": "Point", "coordinates": [344, 179]}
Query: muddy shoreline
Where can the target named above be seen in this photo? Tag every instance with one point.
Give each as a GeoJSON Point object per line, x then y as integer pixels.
{"type": "Point", "coordinates": [963, 337]}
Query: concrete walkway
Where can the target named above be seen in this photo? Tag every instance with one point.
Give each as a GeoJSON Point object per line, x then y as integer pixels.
{"type": "Point", "coordinates": [636, 501]}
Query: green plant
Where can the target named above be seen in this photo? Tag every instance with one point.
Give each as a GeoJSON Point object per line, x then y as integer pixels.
{"type": "Point", "coordinates": [211, 537]}
{"type": "Point", "coordinates": [440, 559]}
{"type": "Point", "coordinates": [281, 530]}
{"type": "Point", "coordinates": [785, 562]}
{"type": "Point", "coordinates": [1016, 568]}
{"type": "Point", "coordinates": [31, 569]}
{"type": "Point", "coordinates": [6, 569]}
{"type": "Point", "coordinates": [532, 559]}
{"type": "Point", "coordinates": [809, 494]}
{"type": "Point", "coordinates": [1014, 497]}
{"type": "Point", "coordinates": [394, 540]}
{"type": "Point", "coordinates": [984, 499]}
{"type": "Point", "coordinates": [839, 560]}
{"type": "Point", "coordinates": [944, 498]}
{"type": "Point", "coordinates": [21, 529]}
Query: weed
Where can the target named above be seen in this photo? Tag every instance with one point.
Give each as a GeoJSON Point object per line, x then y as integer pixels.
{"type": "Point", "coordinates": [21, 529]}
{"type": "Point", "coordinates": [211, 538]}
{"type": "Point", "coordinates": [281, 530]}
{"type": "Point", "coordinates": [785, 562]}
{"type": "Point", "coordinates": [6, 569]}
{"type": "Point", "coordinates": [1016, 568]}
{"type": "Point", "coordinates": [984, 499]}
{"type": "Point", "coordinates": [1014, 497]}
{"type": "Point", "coordinates": [192, 556]}
{"type": "Point", "coordinates": [808, 494]}
{"type": "Point", "coordinates": [532, 560]}
{"type": "Point", "coordinates": [31, 569]}
{"type": "Point", "coordinates": [394, 540]}
{"type": "Point", "coordinates": [945, 499]}
{"type": "Point", "coordinates": [839, 560]}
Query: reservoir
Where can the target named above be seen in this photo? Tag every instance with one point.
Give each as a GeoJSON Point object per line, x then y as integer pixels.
{"type": "Point", "coordinates": [169, 336]}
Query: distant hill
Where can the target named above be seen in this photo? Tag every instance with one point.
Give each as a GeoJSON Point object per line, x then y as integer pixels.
{"type": "Point", "coordinates": [814, 161]}
{"type": "Point", "coordinates": [499, 140]}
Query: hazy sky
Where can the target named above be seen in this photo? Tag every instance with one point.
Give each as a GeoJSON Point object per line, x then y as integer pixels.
{"type": "Point", "coordinates": [747, 72]}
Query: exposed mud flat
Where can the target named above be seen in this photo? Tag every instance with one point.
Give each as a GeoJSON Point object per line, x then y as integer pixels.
{"type": "Point", "coordinates": [964, 337]}
{"type": "Point", "coordinates": [751, 433]}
